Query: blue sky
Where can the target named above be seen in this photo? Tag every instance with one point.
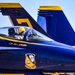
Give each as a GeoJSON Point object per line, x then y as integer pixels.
{"type": "Point", "coordinates": [68, 6]}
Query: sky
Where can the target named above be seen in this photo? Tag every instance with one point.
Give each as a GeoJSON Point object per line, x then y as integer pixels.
{"type": "Point", "coordinates": [68, 6]}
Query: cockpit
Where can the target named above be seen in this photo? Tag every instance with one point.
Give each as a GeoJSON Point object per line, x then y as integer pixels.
{"type": "Point", "coordinates": [29, 34]}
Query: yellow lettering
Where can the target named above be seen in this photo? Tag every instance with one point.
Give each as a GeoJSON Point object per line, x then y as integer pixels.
{"type": "Point", "coordinates": [22, 44]}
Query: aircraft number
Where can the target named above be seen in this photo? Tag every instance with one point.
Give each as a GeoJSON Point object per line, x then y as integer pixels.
{"type": "Point", "coordinates": [25, 20]}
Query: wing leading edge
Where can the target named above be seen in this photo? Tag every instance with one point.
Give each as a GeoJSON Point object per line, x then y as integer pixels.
{"type": "Point", "coordinates": [19, 16]}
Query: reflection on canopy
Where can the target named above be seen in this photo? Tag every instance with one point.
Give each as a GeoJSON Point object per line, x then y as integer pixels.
{"type": "Point", "coordinates": [29, 35]}
{"type": "Point", "coordinates": [33, 35]}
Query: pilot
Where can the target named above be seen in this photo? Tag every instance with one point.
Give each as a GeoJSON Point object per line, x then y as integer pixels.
{"type": "Point", "coordinates": [21, 31]}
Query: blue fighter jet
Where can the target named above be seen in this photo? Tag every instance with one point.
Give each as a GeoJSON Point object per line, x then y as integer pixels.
{"type": "Point", "coordinates": [27, 48]}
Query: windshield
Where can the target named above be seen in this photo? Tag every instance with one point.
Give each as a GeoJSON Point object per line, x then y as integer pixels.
{"type": "Point", "coordinates": [34, 35]}
{"type": "Point", "coordinates": [29, 34]}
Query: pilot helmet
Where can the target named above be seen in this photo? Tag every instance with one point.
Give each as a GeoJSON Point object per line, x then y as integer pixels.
{"type": "Point", "coordinates": [21, 30]}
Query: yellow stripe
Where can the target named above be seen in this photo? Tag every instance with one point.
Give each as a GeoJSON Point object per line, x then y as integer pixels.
{"type": "Point", "coordinates": [49, 8]}
{"type": "Point", "coordinates": [9, 39]}
{"type": "Point", "coordinates": [18, 41]}
{"type": "Point", "coordinates": [11, 74]}
{"type": "Point", "coordinates": [10, 5]}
